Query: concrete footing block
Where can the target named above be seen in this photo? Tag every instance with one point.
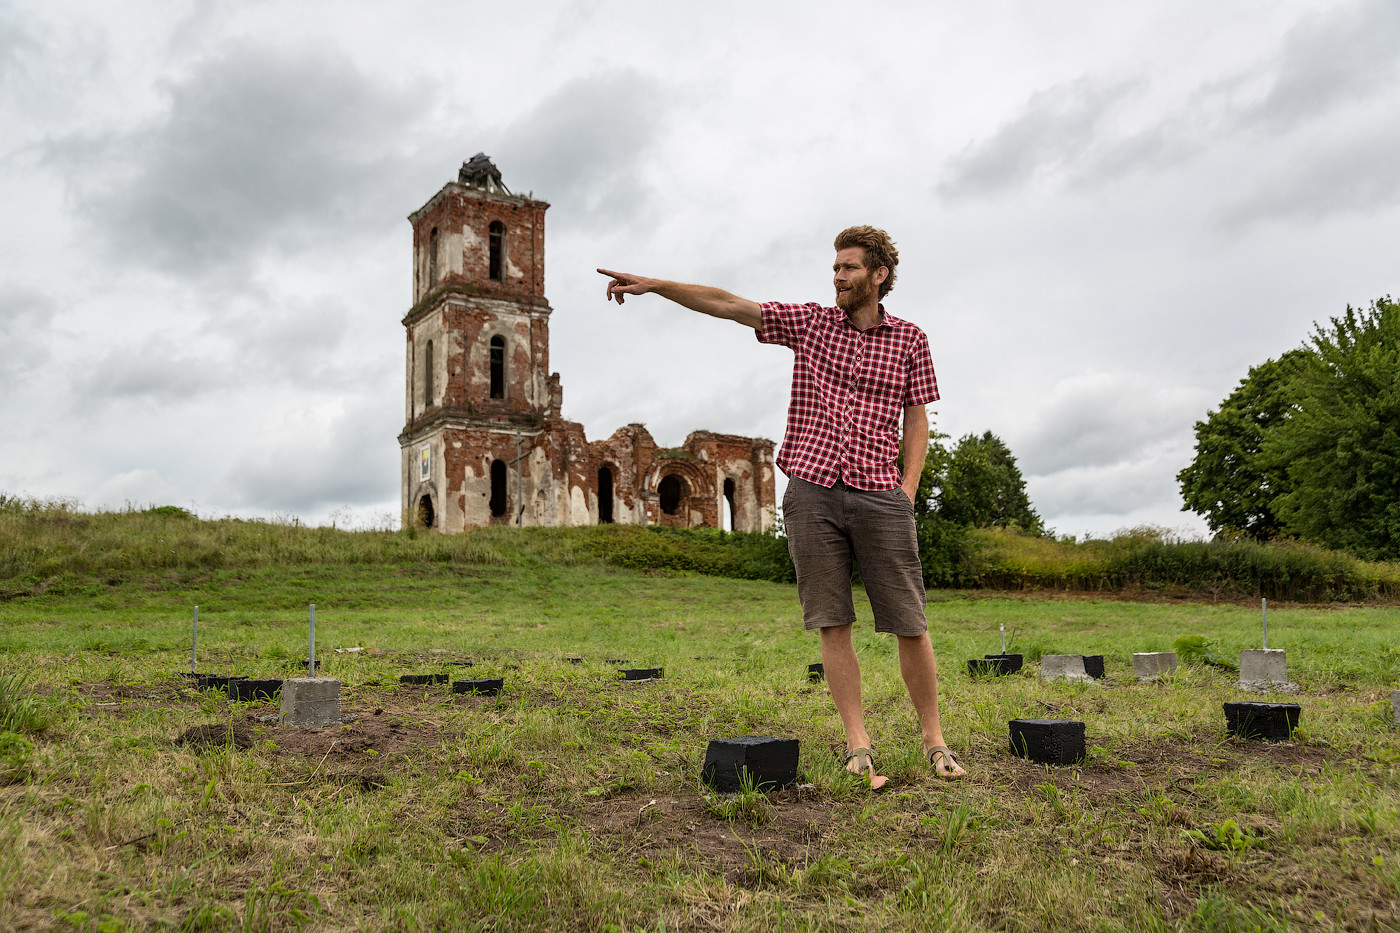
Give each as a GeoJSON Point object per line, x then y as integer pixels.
{"type": "Point", "coordinates": [1265, 669]}
{"type": "Point", "coordinates": [488, 687]}
{"type": "Point", "coordinates": [1069, 667]}
{"type": "Point", "coordinates": [312, 702]}
{"type": "Point", "coordinates": [422, 680]}
{"type": "Point", "coordinates": [997, 665]}
{"type": "Point", "coordinates": [1048, 741]}
{"type": "Point", "coordinates": [768, 760]}
{"type": "Point", "coordinates": [1272, 721]}
{"type": "Point", "coordinates": [1151, 665]}
{"type": "Point", "coordinates": [644, 673]}
{"type": "Point", "coordinates": [816, 672]}
{"type": "Point", "coordinates": [244, 689]}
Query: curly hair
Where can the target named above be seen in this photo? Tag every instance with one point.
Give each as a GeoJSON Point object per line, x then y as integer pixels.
{"type": "Point", "coordinates": [879, 250]}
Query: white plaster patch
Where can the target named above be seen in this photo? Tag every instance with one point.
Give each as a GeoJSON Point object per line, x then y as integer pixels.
{"type": "Point", "coordinates": [578, 507]}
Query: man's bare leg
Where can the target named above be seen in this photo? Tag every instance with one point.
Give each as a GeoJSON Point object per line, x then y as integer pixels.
{"type": "Point", "coordinates": [843, 680]}
{"type": "Point", "coordinates": [920, 672]}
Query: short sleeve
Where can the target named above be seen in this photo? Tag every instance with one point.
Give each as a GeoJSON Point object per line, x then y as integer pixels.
{"type": "Point", "coordinates": [923, 384]}
{"type": "Point", "coordinates": [784, 323]}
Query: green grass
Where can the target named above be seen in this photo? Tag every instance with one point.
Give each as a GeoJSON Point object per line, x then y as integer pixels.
{"type": "Point", "coordinates": [572, 801]}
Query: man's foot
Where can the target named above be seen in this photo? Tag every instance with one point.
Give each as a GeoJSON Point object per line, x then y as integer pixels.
{"type": "Point", "coordinates": [861, 761]}
{"type": "Point", "coordinates": [944, 762]}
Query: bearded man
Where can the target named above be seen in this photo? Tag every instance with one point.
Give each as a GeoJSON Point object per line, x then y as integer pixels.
{"type": "Point", "coordinates": [859, 375]}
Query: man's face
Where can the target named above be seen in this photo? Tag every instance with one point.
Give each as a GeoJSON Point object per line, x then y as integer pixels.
{"type": "Point", "coordinates": [855, 284]}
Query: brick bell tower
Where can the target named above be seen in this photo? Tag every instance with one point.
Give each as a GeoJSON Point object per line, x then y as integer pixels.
{"type": "Point", "coordinates": [476, 391]}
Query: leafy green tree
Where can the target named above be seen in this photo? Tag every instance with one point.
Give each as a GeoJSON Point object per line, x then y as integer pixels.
{"type": "Point", "coordinates": [978, 484]}
{"type": "Point", "coordinates": [1230, 482]}
{"type": "Point", "coordinates": [1340, 445]}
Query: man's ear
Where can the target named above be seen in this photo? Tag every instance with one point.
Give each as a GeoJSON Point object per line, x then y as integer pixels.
{"type": "Point", "coordinates": [881, 274]}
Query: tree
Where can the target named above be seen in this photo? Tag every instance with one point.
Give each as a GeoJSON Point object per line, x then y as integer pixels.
{"type": "Point", "coordinates": [1230, 482]}
{"type": "Point", "coordinates": [978, 484]}
{"type": "Point", "coordinates": [1340, 445]}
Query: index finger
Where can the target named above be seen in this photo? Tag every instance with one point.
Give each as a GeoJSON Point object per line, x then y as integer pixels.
{"type": "Point", "coordinates": [616, 275]}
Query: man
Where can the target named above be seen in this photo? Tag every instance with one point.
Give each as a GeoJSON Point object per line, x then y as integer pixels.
{"type": "Point", "coordinates": [857, 373]}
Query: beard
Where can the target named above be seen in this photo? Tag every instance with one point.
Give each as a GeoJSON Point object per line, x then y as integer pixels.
{"type": "Point", "coordinates": [859, 294]}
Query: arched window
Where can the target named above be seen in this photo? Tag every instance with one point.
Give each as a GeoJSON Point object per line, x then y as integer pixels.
{"type": "Point", "coordinates": [498, 488]}
{"type": "Point", "coordinates": [426, 516]}
{"type": "Point", "coordinates": [727, 520]}
{"type": "Point", "coordinates": [671, 490]}
{"type": "Point", "coordinates": [432, 258]}
{"type": "Point", "coordinates": [498, 250]}
{"type": "Point", "coordinates": [605, 496]}
{"type": "Point", "coordinates": [428, 375]}
{"type": "Point", "coordinates": [498, 367]}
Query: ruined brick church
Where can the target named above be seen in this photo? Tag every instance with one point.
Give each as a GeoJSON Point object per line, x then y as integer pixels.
{"type": "Point", "coordinates": [485, 441]}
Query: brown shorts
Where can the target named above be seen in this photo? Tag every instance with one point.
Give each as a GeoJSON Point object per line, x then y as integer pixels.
{"type": "Point", "coordinates": [829, 528]}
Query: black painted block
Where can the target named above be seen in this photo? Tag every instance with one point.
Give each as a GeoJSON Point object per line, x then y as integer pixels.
{"type": "Point", "coordinates": [768, 761]}
{"type": "Point", "coordinates": [616, 660]}
{"type": "Point", "coordinates": [1093, 665]}
{"type": "Point", "coordinates": [1048, 741]}
{"type": "Point", "coordinates": [243, 689]}
{"type": "Point", "coordinates": [574, 660]}
{"type": "Point", "coordinates": [215, 681]}
{"type": "Point", "coordinates": [816, 672]}
{"type": "Point", "coordinates": [422, 680]}
{"type": "Point", "coordinates": [1272, 721]}
{"type": "Point", "coordinates": [644, 673]}
{"type": "Point", "coordinates": [995, 664]}
{"type": "Point", "coordinates": [487, 688]}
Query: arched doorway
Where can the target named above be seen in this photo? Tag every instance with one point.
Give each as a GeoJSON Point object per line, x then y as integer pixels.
{"type": "Point", "coordinates": [605, 495]}
{"type": "Point", "coordinates": [729, 517]}
{"type": "Point", "coordinates": [424, 516]}
{"type": "Point", "coordinates": [671, 490]}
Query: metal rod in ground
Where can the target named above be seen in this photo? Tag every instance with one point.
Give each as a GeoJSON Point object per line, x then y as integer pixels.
{"type": "Point", "coordinates": [311, 648]}
{"type": "Point", "coordinates": [1265, 602]}
{"type": "Point", "coordinates": [194, 640]}
{"type": "Point", "coordinates": [1003, 638]}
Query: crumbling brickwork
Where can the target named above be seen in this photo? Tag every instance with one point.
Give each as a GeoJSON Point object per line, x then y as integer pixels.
{"type": "Point", "coordinates": [484, 441]}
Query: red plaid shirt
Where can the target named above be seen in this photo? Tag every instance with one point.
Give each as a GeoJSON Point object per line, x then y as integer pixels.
{"type": "Point", "coordinates": [849, 392]}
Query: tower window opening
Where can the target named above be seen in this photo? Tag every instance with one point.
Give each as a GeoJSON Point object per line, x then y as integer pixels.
{"type": "Point", "coordinates": [727, 519]}
{"type": "Point", "coordinates": [671, 490]}
{"type": "Point", "coordinates": [498, 488]}
{"type": "Point", "coordinates": [605, 496]}
{"type": "Point", "coordinates": [498, 367]}
{"type": "Point", "coordinates": [498, 250]}
{"type": "Point", "coordinates": [425, 514]}
{"type": "Point", "coordinates": [433, 257]}
{"type": "Point", "coordinates": [428, 374]}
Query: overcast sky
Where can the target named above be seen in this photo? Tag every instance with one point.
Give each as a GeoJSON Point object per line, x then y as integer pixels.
{"type": "Point", "coordinates": [1106, 212]}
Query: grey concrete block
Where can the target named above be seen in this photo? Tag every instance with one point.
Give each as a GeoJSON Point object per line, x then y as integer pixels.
{"type": "Point", "coordinates": [1272, 721]}
{"type": "Point", "coordinates": [1151, 665]}
{"type": "Point", "coordinates": [1265, 669]}
{"type": "Point", "coordinates": [311, 702]}
{"type": "Point", "coordinates": [768, 761]}
{"type": "Point", "coordinates": [1048, 741]}
{"type": "Point", "coordinates": [1069, 667]}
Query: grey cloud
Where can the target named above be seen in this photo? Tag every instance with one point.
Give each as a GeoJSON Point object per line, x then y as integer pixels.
{"type": "Point", "coordinates": [585, 144]}
{"type": "Point", "coordinates": [24, 323]}
{"type": "Point", "coordinates": [260, 151]}
{"type": "Point", "coordinates": [1119, 488]}
{"type": "Point", "coordinates": [16, 42]}
{"type": "Point", "coordinates": [158, 371]}
{"type": "Point", "coordinates": [1360, 174]}
{"type": "Point", "coordinates": [1058, 128]}
{"type": "Point", "coordinates": [1102, 419]}
{"type": "Point", "coordinates": [1343, 55]}
{"type": "Point", "coordinates": [352, 466]}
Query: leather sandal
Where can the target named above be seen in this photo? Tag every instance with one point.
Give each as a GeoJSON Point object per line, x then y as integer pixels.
{"type": "Point", "coordinates": [865, 766]}
{"type": "Point", "coordinates": [948, 756]}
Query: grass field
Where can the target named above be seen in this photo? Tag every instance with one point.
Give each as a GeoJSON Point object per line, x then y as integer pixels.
{"type": "Point", "coordinates": [572, 801]}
